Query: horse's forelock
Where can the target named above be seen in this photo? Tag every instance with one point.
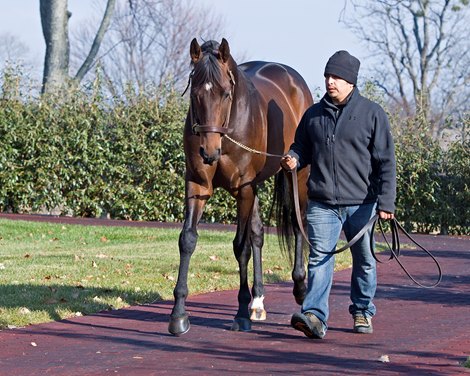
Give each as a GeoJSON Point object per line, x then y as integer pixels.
{"type": "Point", "coordinates": [207, 70]}
{"type": "Point", "coordinates": [210, 46]}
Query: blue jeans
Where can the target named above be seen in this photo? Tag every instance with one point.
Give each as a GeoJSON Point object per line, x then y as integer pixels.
{"type": "Point", "coordinates": [325, 223]}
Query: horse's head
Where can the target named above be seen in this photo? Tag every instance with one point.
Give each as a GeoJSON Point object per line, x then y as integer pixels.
{"type": "Point", "coordinates": [212, 91]}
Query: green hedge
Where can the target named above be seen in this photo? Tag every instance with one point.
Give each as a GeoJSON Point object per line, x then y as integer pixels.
{"type": "Point", "coordinates": [433, 183]}
{"type": "Point", "coordinates": [89, 156]}
{"type": "Point", "coordinates": [84, 154]}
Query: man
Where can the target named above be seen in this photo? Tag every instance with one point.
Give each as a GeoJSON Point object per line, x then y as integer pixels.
{"type": "Point", "coordinates": [346, 140]}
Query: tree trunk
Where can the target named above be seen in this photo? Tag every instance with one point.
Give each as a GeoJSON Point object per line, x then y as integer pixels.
{"type": "Point", "coordinates": [54, 20]}
{"type": "Point", "coordinates": [97, 42]}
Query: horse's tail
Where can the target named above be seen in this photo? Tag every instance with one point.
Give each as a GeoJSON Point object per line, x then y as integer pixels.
{"type": "Point", "coordinates": [283, 209]}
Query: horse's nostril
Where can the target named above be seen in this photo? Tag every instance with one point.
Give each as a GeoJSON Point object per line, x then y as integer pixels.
{"type": "Point", "coordinates": [209, 159]}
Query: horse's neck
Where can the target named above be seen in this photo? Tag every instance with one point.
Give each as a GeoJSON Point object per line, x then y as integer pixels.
{"type": "Point", "coordinates": [245, 90]}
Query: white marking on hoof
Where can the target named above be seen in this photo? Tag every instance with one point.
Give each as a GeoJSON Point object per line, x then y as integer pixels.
{"type": "Point", "coordinates": [258, 303]}
{"type": "Point", "coordinates": [258, 313]}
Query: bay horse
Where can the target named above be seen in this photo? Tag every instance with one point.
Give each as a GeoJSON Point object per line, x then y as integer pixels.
{"type": "Point", "coordinates": [240, 120]}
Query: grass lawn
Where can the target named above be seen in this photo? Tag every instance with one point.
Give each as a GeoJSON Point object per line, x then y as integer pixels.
{"type": "Point", "coordinates": [53, 271]}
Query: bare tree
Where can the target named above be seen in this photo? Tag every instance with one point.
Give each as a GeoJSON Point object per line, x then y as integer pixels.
{"type": "Point", "coordinates": [148, 41]}
{"type": "Point", "coordinates": [54, 20]}
{"type": "Point", "coordinates": [12, 49]}
{"type": "Point", "coordinates": [421, 53]}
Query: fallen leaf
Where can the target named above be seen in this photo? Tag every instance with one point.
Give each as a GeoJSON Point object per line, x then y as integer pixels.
{"type": "Point", "coordinates": [24, 311]}
{"type": "Point", "coordinates": [214, 258]}
{"type": "Point", "coordinates": [93, 264]}
{"type": "Point", "coordinates": [104, 239]}
{"type": "Point", "coordinates": [384, 359]}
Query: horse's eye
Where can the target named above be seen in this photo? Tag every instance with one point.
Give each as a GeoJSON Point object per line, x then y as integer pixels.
{"type": "Point", "coordinates": [227, 94]}
{"type": "Point", "coordinates": [196, 99]}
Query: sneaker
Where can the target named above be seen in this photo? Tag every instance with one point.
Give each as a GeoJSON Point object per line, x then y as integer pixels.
{"type": "Point", "coordinates": [362, 324]}
{"type": "Point", "coordinates": [309, 324]}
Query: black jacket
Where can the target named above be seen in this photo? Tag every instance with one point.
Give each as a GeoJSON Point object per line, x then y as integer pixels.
{"type": "Point", "coordinates": [350, 151]}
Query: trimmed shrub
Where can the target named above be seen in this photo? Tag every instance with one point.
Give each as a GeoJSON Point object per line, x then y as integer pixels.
{"type": "Point", "coordinates": [85, 154]}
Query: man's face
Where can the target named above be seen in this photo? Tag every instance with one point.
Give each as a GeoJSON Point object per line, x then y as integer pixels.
{"type": "Point", "coordinates": [337, 88]}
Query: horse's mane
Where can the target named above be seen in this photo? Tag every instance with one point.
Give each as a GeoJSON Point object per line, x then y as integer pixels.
{"type": "Point", "coordinates": [207, 69]}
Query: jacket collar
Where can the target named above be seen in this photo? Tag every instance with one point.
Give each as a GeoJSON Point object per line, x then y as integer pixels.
{"type": "Point", "coordinates": [329, 103]}
{"type": "Point", "coordinates": [336, 110]}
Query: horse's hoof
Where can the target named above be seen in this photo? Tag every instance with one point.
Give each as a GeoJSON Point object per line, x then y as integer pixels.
{"type": "Point", "coordinates": [258, 314]}
{"type": "Point", "coordinates": [299, 299]}
{"type": "Point", "coordinates": [179, 325]}
{"type": "Point", "coordinates": [299, 294]}
{"type": "Point", "coordinates": [241, 324]}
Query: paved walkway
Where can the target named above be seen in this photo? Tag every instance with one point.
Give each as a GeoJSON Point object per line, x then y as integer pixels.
{"type": "Point", "coordinates": [416, 332]}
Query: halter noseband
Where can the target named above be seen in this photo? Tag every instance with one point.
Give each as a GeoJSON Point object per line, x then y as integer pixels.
{"type": "Point", "coordinates": [221, 129]}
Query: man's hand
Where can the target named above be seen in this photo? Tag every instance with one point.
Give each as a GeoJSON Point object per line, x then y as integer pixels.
{"type": "Point", "coordinates": [385, 215]}
{"type": "Point", "coordinates": [288, 163]}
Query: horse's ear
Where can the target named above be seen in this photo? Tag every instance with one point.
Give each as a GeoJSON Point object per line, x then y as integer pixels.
{"type": "Point", "coordinates": [224, 50]}
{"type": "Point", "coordinates": [195, 51]}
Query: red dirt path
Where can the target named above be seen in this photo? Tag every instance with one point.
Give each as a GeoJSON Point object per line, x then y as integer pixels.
{"type": "Point", "coordinates": [421, 331]}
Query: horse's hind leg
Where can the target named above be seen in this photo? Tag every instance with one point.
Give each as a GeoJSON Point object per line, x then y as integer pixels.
{"type": "Point", "coordinates": [258, 313]}
{"type": "Point", "coordinates": [298, 272]}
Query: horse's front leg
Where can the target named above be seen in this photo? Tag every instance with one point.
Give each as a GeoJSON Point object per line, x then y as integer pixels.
{"type": "Point", "coordinates": [179, 321]}
{"type": "Point", "coordinates": [242, 251]}
{"type": "Point", "coordinates": [258, 313]}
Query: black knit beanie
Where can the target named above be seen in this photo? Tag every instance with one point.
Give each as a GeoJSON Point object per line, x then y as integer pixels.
{"type": "Point", "coordinates": [343, 65]}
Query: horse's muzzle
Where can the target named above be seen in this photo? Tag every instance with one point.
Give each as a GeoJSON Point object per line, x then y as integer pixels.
{"type": "Point", "coordinates": [209, 159]}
